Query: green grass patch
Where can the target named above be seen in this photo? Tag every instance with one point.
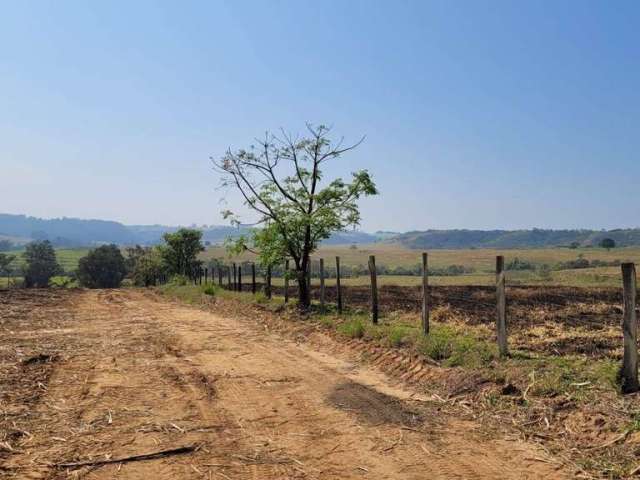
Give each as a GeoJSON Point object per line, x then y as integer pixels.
{"type": "Point", "coordinates": [549, 376]}
{"type": "Point", "coordinates": [352, 328]}
{"type": "Point", "coordinates": [453, 347]}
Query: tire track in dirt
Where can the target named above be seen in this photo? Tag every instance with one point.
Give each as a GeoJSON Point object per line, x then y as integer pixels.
{"type": "Point", "coordinates": [140, 375]}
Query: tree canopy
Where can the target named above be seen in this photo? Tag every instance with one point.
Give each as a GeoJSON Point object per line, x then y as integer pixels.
{"type": "Point", "coordinates": [181, 249]}
{"type": "Point", "coordinates": [281, 180]}
{"type": "Point", "coordinates": [40, 264]}
{"type": "Point", "coordinates": [146, 265]}
{"type": "Point", "coordinates": [608, 243]}
{"type": "Point", "coordinates": [102, 267]}
{"type": "Point", "coordinates": [5, 264]}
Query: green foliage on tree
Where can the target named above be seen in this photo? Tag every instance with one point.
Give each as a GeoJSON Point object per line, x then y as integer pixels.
{"type": "Point", "coordinates": [607, 243]}
{"type": "Point", "coordinates": [181, 250]}
{"type": "Point", "coordinates": [5, 264]}
{"type": "Point", "coordinates": [281, 179]}
{"type": "Point", "coordinates": [149, 266]}
{"type": "Point", "coordinates": [40, 264]}
{"type": "Point", "coordinates": [102, 267]}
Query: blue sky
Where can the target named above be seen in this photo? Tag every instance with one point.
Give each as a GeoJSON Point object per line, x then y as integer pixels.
{"type": "Point", "coordinates": [478, 114]}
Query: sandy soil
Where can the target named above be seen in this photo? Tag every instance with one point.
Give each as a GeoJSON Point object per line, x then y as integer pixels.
{"type": "Point", "coordinates": [99, 375]}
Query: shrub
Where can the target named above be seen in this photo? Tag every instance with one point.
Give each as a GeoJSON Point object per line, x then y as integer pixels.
{"type": "Point", "coordinates": [180, 280]}
{"type": "Point", "coordinates": [352, 328]}
{"type": "Point", "coordinates": [103, 267]}
{"type": "Point", "coordinates": [579, 262]}
{"type": "Point", "coordinates": [41, 264]}
{"type": "Point", "coordinates": [209, 290]}
{"type": "Point", "coordinates": [544, 272]}
{"type": "Point", "coordinates": [445, 343]}
{"type": "Point", "coordinates": [518, 265]}
{"type": "Point", "coordinates": [261, 298]}
{"type": "Point", "coordinates": [146, 265]}
{"type": "Point", "coordinates": [399, 335]}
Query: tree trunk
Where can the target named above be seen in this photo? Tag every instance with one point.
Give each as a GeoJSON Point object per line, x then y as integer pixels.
{"type": "Point", "coordinates": [304, 297]}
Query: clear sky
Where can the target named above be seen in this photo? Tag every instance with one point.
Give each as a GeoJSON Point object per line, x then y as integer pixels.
{"type": "Point", "coordinates": [478, 114]}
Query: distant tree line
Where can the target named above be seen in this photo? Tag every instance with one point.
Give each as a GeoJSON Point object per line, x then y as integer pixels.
{"type": "Point", "coordinates": [107, 267]}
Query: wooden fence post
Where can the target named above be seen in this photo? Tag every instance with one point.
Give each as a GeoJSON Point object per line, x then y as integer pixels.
{"type": "Point", "coordinates": [229, 287]}
{"type": "Point", "coordinates": [220, 275]}
{"type": "Point", "coordinates": [425, 294]}
{"type": "Point", "coordinates": [501, 302]}
{"type": "Point", "coordinates": [240, 277]}
{"type": "Point", "coordinates": [374, 288]}
{"type": "Point", "coordinates": [286, 281]}
{"type": "Point", "coordinates": [253, 278]}
{"type": "Point", "coordinates": [629, 330]}
{"type": "Point", "coordinates": [322, 284]}
{"type": "Point", "coordinates": [338, 289]}
{"type": "Point", "coordinates": [235, 276]}
{"type": "Point", "coordinates": [267, 284]}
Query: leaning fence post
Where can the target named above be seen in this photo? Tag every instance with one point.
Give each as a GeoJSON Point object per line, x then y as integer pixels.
{"type": "Point", "coordinates": [286, 281]}
{"type": "Point", "coordinates": [629, 330]}
{"type": "Point", "coordinates": [267, 284]}
{"type": "Point", "coordinates": [338, 290]}
{"type": "Point", "coordinates": [374, 288]}
{"type": "Point", "coordinates": [253, 278]}
{"type": "Point", "coordinates": [239, 278]}
{"type": "Point", "coordinates": [501, 302]}
{"type": "Point", "coordinates": [322, 284]}
{"type": "Point", "coordinates": [425, 294]}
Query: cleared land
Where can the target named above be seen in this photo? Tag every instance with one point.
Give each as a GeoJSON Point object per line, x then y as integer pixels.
{"type": "Point", "coordinates": [93, 377]}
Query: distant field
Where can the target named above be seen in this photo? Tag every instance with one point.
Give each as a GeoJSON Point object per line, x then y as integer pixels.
{"type": "Point", "coordinates": [67, 257]}
{"type": "Point", "coordinates": [482, 261]}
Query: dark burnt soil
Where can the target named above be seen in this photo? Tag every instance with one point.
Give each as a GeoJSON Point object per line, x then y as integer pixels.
{"type": "Point", "coordinates": [477, 303]}
{"type": "Point", "coordinates": [552, 320]}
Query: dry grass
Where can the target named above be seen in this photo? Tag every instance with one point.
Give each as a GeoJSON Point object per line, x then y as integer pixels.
{"type": "Point", "coordinates": [482, 260]}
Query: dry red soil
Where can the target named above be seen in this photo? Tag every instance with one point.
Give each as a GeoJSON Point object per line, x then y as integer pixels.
{"type": "Point", "coordinates": [95, 376]}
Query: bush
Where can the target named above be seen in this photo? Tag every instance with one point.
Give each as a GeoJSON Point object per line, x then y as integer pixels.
{"type": "Point", "coordinates": [209, 290]}
{"type": "Point", "coordinates": [399, 335]}
{"type": "Point", "coordinates": [607, 243]}
{"type": "Point", "coordinates": [445, 343]}
{"type": "Point", "coordinates": [519, 265]}
{"type": "Point", "coordinates": [579, 262]}
{"type": "Point", "coordinates": [41, 264]}
{"type": "Point", "coordinates": [180, 280]}
{"type": "Point", "coordinates": [544, 272]}
{"type": "Point", "coordinates": [146, 266]}
{"type": "Point", "coordinates": [103, 267]}
{"type": "Point", "coordinates": [352, 328]}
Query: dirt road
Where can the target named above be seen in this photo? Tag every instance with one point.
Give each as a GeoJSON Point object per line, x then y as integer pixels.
{"type": "Point", "coordinates": [120, 373]}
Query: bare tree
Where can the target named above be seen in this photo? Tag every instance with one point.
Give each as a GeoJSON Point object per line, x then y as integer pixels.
{"type": "Point", "coordinates": [280, 179]}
